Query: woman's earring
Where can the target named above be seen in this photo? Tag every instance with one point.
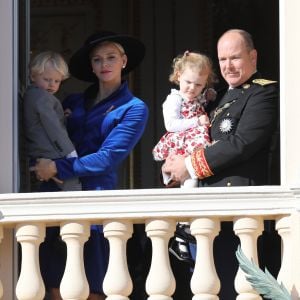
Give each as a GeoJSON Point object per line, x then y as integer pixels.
{"type": "Point", "coordinates": [123, 66]}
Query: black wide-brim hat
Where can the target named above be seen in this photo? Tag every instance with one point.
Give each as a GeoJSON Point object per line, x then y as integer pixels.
{"type": "Point", "coordinates": [80, 64]}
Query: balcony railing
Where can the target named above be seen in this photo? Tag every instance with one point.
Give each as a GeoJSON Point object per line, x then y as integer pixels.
{"type": "Point", "coordinates": [23, 218]}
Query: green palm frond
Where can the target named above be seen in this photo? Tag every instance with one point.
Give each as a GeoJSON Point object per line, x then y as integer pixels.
{"type": "Point", "coordinates": [263, 282]}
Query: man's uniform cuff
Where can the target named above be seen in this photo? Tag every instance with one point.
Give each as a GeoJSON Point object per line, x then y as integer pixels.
{"type": "Point", "coordinates": [200, 165]}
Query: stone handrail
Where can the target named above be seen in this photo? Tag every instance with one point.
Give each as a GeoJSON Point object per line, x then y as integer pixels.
{"type": "Point", "coordinates": [27, 215]}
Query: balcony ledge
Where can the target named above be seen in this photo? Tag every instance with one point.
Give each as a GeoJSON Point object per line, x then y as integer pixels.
{"type": "Point", "coordinates": [140, 204]}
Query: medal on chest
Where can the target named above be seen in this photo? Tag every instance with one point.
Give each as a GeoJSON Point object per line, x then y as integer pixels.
{"type": "Point", "coordinates": [220, 110]}
{"type": "Point", "coordinates": [226, 125]}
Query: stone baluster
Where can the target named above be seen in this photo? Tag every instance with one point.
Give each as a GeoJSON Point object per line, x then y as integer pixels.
{"type": "Point", "coordinates": [117, 284]}
{"type": "Point", "coordinates": [30, 284]}
{"type": "Point", "coordinates": [1, 287]}
{"type": "Point", "coordinates": [74, 284]}
{"type": "Point", "coordinates": [291, 244]}
{"type": "Point", "coordinates": [205, 283]}
{"type": "Point", "coordinates": [160, 283]}
{"type": "Point", "coordinates": [247, 229]}
{"type": "Point", "coordinates": [283, 226]}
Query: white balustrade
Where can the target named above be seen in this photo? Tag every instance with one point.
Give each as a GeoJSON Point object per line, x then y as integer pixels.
{"type": "Point", "coordinates": [74, 284]}
{"type": "Point", "coordinates": [160, 283]}
{"type": "Point", "coordinates": [247, 229]}
{"type": "Point", "coordinates": [205, 283]}
{"type": "Point", "coordinates": [160, 209]}
{"type": "Point", "coordinates": [291, 245]}
{"type": "Point", "coordinates": [283, 226]}
{"type": "Point", "coordinates": [30, 284]}
{"type": "Point", "coordinates": [117, 284]}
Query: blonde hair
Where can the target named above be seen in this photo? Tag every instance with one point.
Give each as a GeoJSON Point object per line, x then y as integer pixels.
{"type": "Point", "coordinates": [100, 44]}
{"type": "Point", "coordinates": [38, 63]}
{"type": "Point", "coordinates": [195, 61]}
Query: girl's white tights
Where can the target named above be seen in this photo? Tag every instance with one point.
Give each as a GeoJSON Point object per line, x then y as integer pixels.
{"type": "Point", "coordinates": [190, 183]}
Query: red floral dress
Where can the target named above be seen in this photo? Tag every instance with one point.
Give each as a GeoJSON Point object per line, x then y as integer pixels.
{"type": "Point", "coordinates": [184, 142]}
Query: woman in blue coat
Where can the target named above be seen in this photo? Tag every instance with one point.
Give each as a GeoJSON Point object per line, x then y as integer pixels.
{"type": "Point", "coordinates": [104, 122]}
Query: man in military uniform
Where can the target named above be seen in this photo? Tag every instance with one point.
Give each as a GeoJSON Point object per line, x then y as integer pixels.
{"type": "Point", "coordinates": [243, 120]}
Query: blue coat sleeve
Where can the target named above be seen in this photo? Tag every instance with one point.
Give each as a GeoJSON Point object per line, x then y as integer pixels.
{"type": "Point", "coordinates": [119, 142]}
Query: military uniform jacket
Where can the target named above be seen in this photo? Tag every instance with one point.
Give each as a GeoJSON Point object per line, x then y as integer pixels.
{"type": "Point", "coordinates": [46, 135]}
{"type": "Point", "coordinates": [242, 124]}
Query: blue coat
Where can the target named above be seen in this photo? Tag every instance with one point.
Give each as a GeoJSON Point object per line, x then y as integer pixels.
{"type": "Point", "coordinates": [103, 135]}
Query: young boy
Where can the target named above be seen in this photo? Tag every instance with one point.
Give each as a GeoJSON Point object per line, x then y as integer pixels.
{"type": "Point", "coordinates": [45, 130]}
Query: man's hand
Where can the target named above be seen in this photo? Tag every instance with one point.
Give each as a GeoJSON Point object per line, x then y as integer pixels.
{"type": "Point", "coordinates": [175, 167]}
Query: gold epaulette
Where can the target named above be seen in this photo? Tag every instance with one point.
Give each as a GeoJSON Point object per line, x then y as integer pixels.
{"type": "Point", "coordinates": [263, 81]}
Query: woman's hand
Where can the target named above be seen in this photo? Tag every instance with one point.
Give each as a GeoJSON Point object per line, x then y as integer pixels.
{"type": "Point", "coordinates": [45, 169]}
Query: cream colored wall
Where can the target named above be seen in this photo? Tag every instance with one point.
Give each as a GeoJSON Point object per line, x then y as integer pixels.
{"type": "Point", "coordinates": [289, 91]}
{"type": "Point", "coordinates": [8, 150]}
{"type": "Point", "coordinates": [8, 82]}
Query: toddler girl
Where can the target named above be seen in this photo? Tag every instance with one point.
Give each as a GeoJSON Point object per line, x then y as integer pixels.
{"type": "Point", "coordinates": [184, 113]}
{"type": "Point", "coordinates": [187, 126]}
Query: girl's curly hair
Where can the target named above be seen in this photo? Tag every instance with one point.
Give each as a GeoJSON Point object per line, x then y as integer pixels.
{"type": "Point", "coordinates": [195, 61]}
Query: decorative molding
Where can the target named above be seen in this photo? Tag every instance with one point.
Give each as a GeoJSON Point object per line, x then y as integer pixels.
{"type": "Point", "coordinates": [269, 201]}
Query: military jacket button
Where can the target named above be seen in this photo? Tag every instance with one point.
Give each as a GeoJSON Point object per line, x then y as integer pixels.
{"type": "Point", "coordinates": [228, 183]}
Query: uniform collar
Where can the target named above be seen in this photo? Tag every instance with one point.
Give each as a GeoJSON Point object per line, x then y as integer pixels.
{"type": "Point", "coordinates": [234, 93]}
